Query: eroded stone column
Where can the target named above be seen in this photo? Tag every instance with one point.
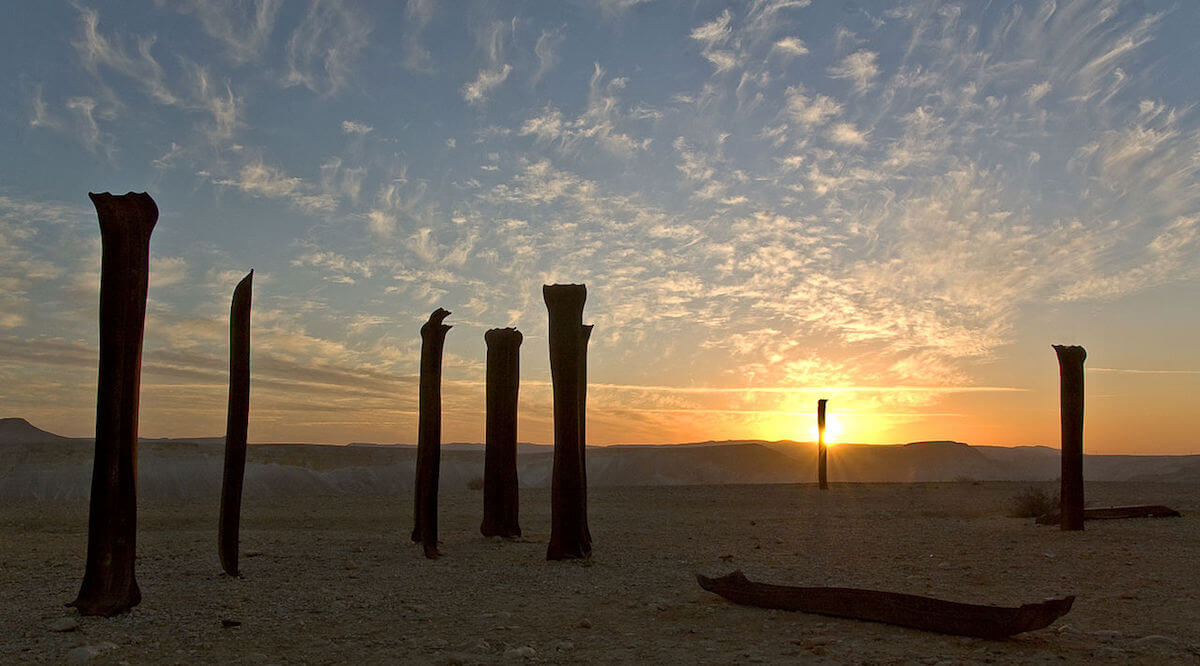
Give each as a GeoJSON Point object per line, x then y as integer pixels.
{"type": "Point", "coordinates": [568, 532]}
{"type": "Point", "coordinates": [429, 432]}
{"type": "Point", "coordinates": [126, 222]}
{"type": "Point", "coordinates": [585, 336]}
{"type": "Point", "coordinates": [1070, 373]}
{"type": "Point", "coordinates": [822, 450]}
{"type": "Point", "coordinates": [500, 489]}
{"type": "Point", "coordinates": [236, 425]}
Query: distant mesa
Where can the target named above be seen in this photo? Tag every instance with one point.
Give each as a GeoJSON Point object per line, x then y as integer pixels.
{"type": "Point", "coordinates": [15, 430]}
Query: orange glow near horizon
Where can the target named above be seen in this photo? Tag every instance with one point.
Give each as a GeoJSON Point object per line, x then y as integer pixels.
{"type": "Point", "coordinates": [833, 429]}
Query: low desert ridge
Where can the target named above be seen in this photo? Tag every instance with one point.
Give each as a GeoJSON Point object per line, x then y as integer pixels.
{"type": "Point", "coordinates": [334, 578]}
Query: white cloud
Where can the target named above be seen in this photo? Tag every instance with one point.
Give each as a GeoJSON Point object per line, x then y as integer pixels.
{"type": "Point", "coordinates": [96, 51]}
{"type": "Point", "coordinates": [259, 179]}
{"type": "Point", "coordinates": [490, 41]}
{"type": "Point", "coordinates": [244, 28]}
{"type": "Point", "coordinates": [547, 42]}
{"type": "Point", "coordinates": [355, 127]}
{"type": "Point", "coordinates": [1037, 91]}
{"type": "Point", "coordinates": [790, 47]}
{"type": "Point", "coordinates": [713, 35]}
{"type": "Point", "coordinates": [322, 51]}
{"type": "Point", "coordinates": [476, 92]}
{"type": "Point", "coordinates": [809, 111]}
{"type": "Point", "coordinates": [847, 134]}
{"type": "Point", "coordinates": [860, 67]}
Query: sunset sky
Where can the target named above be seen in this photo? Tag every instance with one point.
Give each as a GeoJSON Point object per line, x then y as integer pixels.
{"type": "Point", "coordinates": [898, 206]}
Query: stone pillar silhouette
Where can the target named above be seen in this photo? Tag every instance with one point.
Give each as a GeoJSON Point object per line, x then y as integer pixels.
{"type": "Point", "coordinates": [126, 222]}
{"type": "Point", "coordinates": [236, 425]}
{"type": "Point", "coordinates": [1070, 373]}
{"type": "Point", "coordinates": [822, 450]}
{"type": "Point", "coordinates": [429, 432]}
{"type": "Point", "coordinates": [585, 336]}
{"type": "Point", "coordinates": [568, 534]}
{"type": "Point", "coordinates": [500, 490]}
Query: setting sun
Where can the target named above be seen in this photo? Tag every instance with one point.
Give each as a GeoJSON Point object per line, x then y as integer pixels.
{"type": "Point", "coordinates": [833, 429]}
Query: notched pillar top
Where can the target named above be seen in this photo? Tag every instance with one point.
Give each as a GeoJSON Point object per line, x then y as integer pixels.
{"type": "Point", "coordinates": [435, 322]}
{"type": "Point", "coordinates": [1070, 353]}
{"type": "Point", "coordinates": [136, 209]}
{"type": "Point", "coordinates": [565, 295]}
{"type": "Point", "coordinates": [502, 336]}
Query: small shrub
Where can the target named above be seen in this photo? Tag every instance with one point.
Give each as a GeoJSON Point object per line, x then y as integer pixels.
{"type": "Point", "coordinates": [1032, 502]}
{"type": "Point", "coordinates": [476, 483]}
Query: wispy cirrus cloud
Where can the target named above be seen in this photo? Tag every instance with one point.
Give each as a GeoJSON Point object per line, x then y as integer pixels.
{"type": "Point", "coordinates": [243, 28]}
{"type": "Point", "coordinates": [323, 50]}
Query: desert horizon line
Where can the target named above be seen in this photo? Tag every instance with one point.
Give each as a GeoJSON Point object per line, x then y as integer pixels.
{"type": "Point", "coordinates": [734, 440]}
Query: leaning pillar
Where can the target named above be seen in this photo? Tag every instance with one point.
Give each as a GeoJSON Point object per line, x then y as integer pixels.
{"type": "Point", "coordinates": [126, 222]}
{"type": "Point", "coordinates": [1070, 372]}
{"type": "Point", "coordinates": [822, 450]}
{"type": "Point", "coordinates": [429, 432]}
{"type": "Point", "coordinates": [567, 527]}
{"type": "Point", "coordinates": [236, 425]}
{"type": "Point", "coordinates": [500, 508]}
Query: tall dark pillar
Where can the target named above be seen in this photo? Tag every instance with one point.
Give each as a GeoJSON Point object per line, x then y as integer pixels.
{"type": "Point", "coordinates": [568, 532]}
{"type": "Point", "coordinates": [126, 222]}
{"type": "Point", "coordinates": [236, 425]}
{"type": "Point", "coordinates": [429, 432]}
{"type": "Point", "coordinates": [1070, 373]}
{"type": "Point", "coordinates": [822, 450]}
{"type": "Point", "coordinates": [585, 336]}
{"type": "Point", "coordinates": [500, 489]}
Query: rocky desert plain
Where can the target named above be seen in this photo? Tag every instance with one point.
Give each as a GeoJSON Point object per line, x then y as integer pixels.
{"type": "Point", "coordinates": [329, 574]}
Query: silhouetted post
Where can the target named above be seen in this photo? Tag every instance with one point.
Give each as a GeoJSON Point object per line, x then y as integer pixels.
{"type": "Point", "coordinates": [568, 535]}
{"type": "Point", "coordinates": [500, 508]}
{"type": "Point", "coordinates": [822, 450]}
{"type": "Point", "coordinates": [429, 432]}
{"type": "Point", "coordinates": [236, 424]}
{"type": "Point", "coordinates": [126, 222]}
{"type": "Point", "coordinates": [1070, 373]}
{"type": "Point", "coordinates": [585, 336]}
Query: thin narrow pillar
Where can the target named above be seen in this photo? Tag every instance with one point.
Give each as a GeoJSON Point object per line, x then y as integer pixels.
{"type": "Point", "coordinates": [429, 432]}
{"type": "Point", "coordinates": [126, 222]}
{"type": "Point", "coordinates": [500, 483]}
{"type": "Point", "coordinates": [236, 425]}
{"type": "Point", "coordinates": [567, 522]}
{"type": "Point", "coordinates": [585, 336]}
{"type": "Point", "coordinates": [1070, 373]}
{"type": "Point", "coordinates": [822, 450]}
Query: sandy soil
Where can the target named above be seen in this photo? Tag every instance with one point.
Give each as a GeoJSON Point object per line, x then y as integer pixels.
{"type": "Point", "coordinates": [335, 579]}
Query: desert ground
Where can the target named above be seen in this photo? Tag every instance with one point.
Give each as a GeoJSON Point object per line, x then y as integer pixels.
{"type": "Point", "coordinates": [329, 579]}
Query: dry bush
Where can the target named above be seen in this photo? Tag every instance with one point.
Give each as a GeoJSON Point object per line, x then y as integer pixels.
{"type": "Point", "coordinates": [1031, 502]}
{"type": "Point", "coordinates": [476, 483]}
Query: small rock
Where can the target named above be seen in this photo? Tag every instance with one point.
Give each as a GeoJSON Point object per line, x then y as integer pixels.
{"type": "Point", "coordinates": [564, 646]}
{"type": "Point", "coordinates": [726, 558]}
{"type": "Point", "coordinates": [89, 652]}
{"type": "Point", "coordinates": [349, 565]}
{"type": "Point", "coordinates": [1106, 634]}
{"type": "Point", "coordinates": [524, 652]}
{"type": "Point", "coordinates": [253, 553]}
{"type": "Point", "coordinates": [585, 623]}
{"type": "Point", "coordinates": [227, 623]}
{"type": "Point", "coordinates": [63, 624]}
